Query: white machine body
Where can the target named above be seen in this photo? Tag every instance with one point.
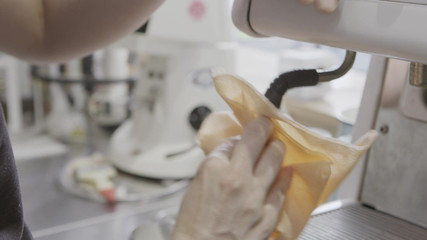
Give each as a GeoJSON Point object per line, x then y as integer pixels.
{"type": "Point", "coordinates": [180, 46]}
{"type": "Point", "coordinates": [159, 140]}
{"type": "Point", "coordinates": [392, 28]}
{"type": "Point", "coordinates": [192, 21]}
{"type": "Point", "coordinates": [392, 177]}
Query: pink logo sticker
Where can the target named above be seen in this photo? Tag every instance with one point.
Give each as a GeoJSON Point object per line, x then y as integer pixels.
{"type": "Point", "coordinates": [197, 9]}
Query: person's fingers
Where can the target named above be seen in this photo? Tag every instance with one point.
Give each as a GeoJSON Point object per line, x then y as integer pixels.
{"type": "Point", "coordinates": [273, 204]}
{"type": "Point", "coordinates": [306, 2]}
{"type": "Point", "coordinates": [225, 149]}
{"type": "Point", "coordinates": [265, 227]}
{"type": "Point", "coordinates": [276, 195]}
{"type": "Point", "coordinates": [216, 129]}
{"type": "Point", "coordinates": [252, 142]}
{"type": "Point", "coordinates": [272, 207]}
{"type": "Point", "coordinates": [269, 163]}
{"type": "Point", "coordinates": [216, 160]}
{"type": "Point", "coordinates": [327, 6]}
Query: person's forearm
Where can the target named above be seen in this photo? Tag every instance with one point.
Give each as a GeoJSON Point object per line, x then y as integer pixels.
{"type": "Point", "coordinates": [56, 30]}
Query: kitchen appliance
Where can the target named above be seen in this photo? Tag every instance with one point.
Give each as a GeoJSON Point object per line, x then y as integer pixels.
{"type": "Point", "coordinates": [389, 183]}
{"type": "Point", "coordinates": [179, 51]}
{"type": "Point", "coordinates": [74, 98]}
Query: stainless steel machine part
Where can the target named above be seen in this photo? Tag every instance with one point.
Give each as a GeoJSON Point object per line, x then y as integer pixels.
{"type": "Point", "coordinates": [396, 170]}
{"type": "Point", "coordinates": [355, 221]}
{"type": "Point", "coordinates": [393, 197]}
{"type": "Point", "coordinates": [349, 58]}
{"type": "Point", "coordinates": [418, 75]}
{"type": "Point", "coordinates": [350, 188]}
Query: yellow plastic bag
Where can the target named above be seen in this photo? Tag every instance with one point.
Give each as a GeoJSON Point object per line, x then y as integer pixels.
{"type": "Point", "coordinates": [319, 163]}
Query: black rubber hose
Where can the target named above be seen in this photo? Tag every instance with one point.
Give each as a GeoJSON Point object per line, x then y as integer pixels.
{"type": "Point", "coordinates": [288, 80]}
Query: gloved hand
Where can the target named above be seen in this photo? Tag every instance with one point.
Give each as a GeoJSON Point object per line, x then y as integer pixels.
{"type": "Point", "coordinates": [326, 6]}
{"type": "Point", "coordinates": [238, 191]}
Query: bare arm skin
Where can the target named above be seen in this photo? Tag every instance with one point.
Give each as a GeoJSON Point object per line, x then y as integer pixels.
{"type": "Point", "coordinates": [57, 30]}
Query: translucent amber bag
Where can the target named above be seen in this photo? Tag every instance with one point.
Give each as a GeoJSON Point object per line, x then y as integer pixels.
{"type": "Point", "coordinates": [319, 163]}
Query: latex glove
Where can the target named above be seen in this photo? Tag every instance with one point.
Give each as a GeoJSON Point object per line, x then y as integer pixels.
{"type": "Point", "coordinates": [326, 6]}
{"type": "Point", "coordinates": [238, 191]}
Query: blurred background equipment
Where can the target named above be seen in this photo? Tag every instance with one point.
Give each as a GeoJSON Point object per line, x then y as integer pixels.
{"type": "Point", "coordinates": [175, 91]}
{"type": "Point", "coordinates": [127, 117]}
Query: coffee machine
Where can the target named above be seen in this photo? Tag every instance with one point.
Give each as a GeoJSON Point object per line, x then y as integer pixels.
{"type": "Point", "coordinates": [388, 198]}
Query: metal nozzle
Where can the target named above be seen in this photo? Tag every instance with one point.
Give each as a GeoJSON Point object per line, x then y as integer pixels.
{"type": "Point", "coordinates": [350, 56]}
{"type": "Point", "coordinates": [418, 75]}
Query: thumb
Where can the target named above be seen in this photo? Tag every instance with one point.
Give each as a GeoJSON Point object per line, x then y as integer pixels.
{"type": "Point", "coordinates": [217, 128]}
{"type": "Point", "coordinates": [327, 6]}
